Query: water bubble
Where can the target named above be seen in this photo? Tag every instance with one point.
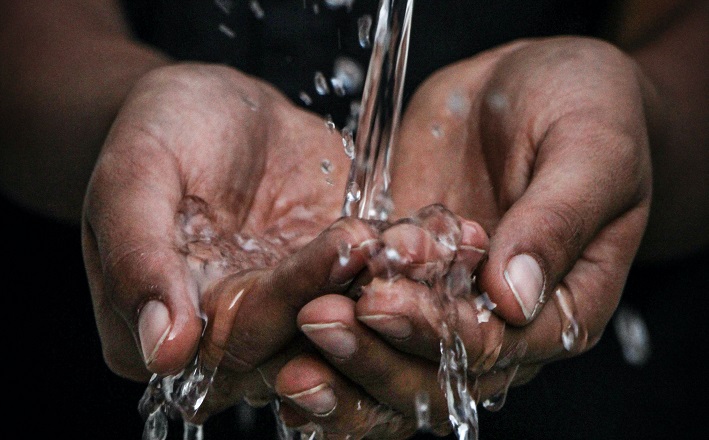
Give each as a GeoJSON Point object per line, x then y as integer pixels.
{"type": "Point", "coordinates": [364, 27]}
{"type": "Point", "coordinates": [633, 335]}
{"type": "Point", "coordinates": [256, 8]}
{"type": "Point", "coordinates": [326, 166]}
{"type": "Point", "coordinates": [226, 30]}
{"type": "Point", "coordinates": [321, 84]}
{"type": "Point", "coordinates": [348, 74]}
{"type": "Point", "coordinates": [307, 100]}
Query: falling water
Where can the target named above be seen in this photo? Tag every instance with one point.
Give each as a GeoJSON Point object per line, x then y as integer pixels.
{"type": "Point", "coordinates": [368, 196]}
{"type": "Point", "coordinates": [367, 192]}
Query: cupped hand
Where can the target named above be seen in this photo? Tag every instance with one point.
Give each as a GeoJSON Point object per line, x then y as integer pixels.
{"type": "Point", "coordinates": [210, 214]}
{"type": "Point", "coordinates": [545, 144]}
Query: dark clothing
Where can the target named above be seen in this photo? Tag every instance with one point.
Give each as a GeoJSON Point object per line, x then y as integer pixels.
{"type": "Point", "coordinates": [63, 381]}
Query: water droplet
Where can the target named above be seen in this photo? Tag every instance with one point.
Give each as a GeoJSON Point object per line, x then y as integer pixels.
{"type": "Point", "coordinates": [330, 124]}
{"type": "Point", "coordinates": [192, 431]}
{"type": "Point", "coordinates": [225, 5]}
{"type": "Point", "coordinates": [326, 166]}
{"type": "Point", "coordinates": [497, 401]}
{"type": "Point", "coordinates": [457, 103]}
{"type": "Point", "coordinates": [573, 336]}
{"type": "Point", "coordinates": [393, 255]}
{"type": "Point", "coordinates": [321, 84]}
{"type": "Point", "coordinates": [256, 8]}
{"type": "Point", "coordinates": [155, 426]}
{"type": "Point", "coordinates": [497, 101]}
{"type": "Point", "coordinates": [353, 192]}
{"type": "Point", "coordinates": [226, 30]}
{"type": "Point", "coordinates": [307, 100]}
{"type": "Point", "coordinates": [437, 131]}
{"type": "Point", "coordinates": [348, 142]}
{"type": "Point", "coordinates": [349, 75]}
{"type": "Point", "coordinates": [338, 87]}
{"type": "Point", "coordinates": [364, 26]}
{"type": "Point", "coordinates": [423, 410]}
{"type": "Point", "coordinates": [633, 335]}
{"type": "Point", "coordinates": [336, 4]}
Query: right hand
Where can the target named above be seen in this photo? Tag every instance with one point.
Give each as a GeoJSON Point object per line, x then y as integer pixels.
{"type": "Point", "coordinates": [209, 185]}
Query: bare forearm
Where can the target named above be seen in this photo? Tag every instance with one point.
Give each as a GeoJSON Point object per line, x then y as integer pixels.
{"type": "Point", "coordinates": [67, 66]}
{"type": "Point", "coordinates": [675, 59]}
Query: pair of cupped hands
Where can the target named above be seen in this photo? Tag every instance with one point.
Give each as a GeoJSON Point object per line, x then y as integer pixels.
{"type": "Point", "coordinates": [211, 230]}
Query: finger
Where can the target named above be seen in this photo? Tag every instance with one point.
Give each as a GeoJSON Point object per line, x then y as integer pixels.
{"type": "Point", "coordinates": [253, 314]}
{"type": "Point", "coordinates": [313, 393]}
{"type": "Point", "coordinates": [255, 387]}
{"type": "Point", "coordinates": [567, 203]}
{"type": "Point", "coordinates": [425, 246]}
{"type": "Point", "coordinates": [137, 275]}
{"type": "Point", "coordinates": [413, 318]}
{"type": "Point", "coordinates": [410, 315]}
{"type": "Point", "coordinates": [113, 329]}
{"type": "Point", "coordinates": [388, 375]}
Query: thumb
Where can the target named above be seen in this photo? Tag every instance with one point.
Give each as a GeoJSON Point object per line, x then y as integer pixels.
{"type": "Point", "coordinates": [576, 198]}
{"type": "Point", "coordinates": [253, 315]}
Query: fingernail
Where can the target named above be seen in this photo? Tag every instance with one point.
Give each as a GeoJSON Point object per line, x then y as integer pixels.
{"type": "Point", "coordinates": [335, 338]}
{"type": "Point", "coordinates": [526, 280]}
{"type": "Point", "coordinates": [319, 400]}
{"type": "Point", "coordinates": [397, 327]}
{"type": "Point", "coordinates": [153, 327]}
